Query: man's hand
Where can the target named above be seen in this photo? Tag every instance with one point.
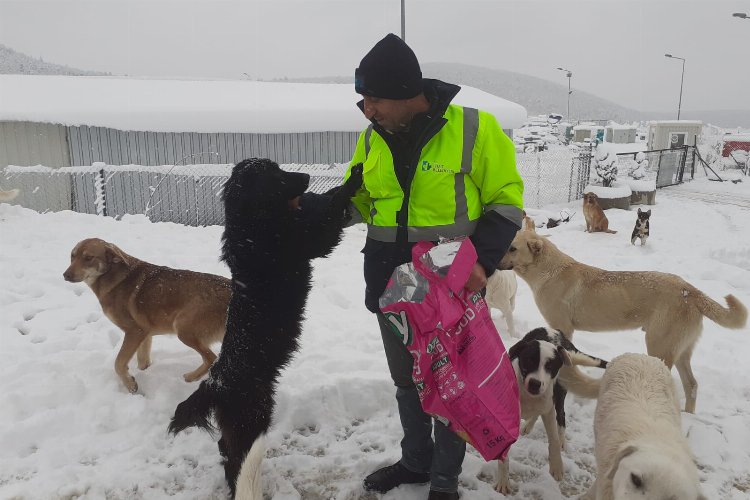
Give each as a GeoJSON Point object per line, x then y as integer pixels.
{"type": "Point", "coordinates": [477, 279]}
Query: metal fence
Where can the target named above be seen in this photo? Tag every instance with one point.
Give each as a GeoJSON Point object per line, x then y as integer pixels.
{"type": "Point", "coordinates": [191, 194]}
{"type": "Point", "coordinates": [555, 175]}
{"type": "Point", "coordinates": [666, 167]}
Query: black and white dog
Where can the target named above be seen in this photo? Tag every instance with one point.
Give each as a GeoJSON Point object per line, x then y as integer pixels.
{"type": "Point", "coordinates": [268, 245]}
{"type": "Point", "coordinates": [641, 227]}
{"type": "Point", "coordinates": [537, 360]}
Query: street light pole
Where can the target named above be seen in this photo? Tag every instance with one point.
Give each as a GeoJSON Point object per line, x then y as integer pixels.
{"type": "Point", "coordinates": [403, 20]}
{"type": "Point", "coordinates": [682, 79]}
{"type": "Point", "coordinates": [569, 75]}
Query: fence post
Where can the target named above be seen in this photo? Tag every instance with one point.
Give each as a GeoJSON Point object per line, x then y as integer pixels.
{"type": "Point", "coordinates": [100, 200]}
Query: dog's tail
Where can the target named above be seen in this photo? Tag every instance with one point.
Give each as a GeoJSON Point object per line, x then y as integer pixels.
{"type": "Point", "coordinates": [9, 195]}
{"type": "Point", "coordinates": [195, 411]}
{"type": "Point", "coordinates": [735, 316]}
{"type": "Point", "coordinates": [582, 359]}
{"type": "Point", "coordinates": [577, 382]}
{"type": "Point", "coordinates": [249, 484]}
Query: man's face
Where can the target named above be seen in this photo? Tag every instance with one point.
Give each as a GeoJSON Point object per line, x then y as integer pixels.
{"type": "Point", "coordinates": [391, 114]}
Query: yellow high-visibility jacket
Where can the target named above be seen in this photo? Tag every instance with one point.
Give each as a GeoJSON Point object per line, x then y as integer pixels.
{"type": "Point", "coordinates": [467, 168]}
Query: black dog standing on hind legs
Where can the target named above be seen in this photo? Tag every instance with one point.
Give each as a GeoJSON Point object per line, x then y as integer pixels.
{"type": "Point", "coordinates": [641, 227]}
{"type": "Point", "coordinates": [268, 246]}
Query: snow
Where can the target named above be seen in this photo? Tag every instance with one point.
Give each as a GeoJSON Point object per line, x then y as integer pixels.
{"type": "Point", "coordinates": [677, 122]}
{"type": "Point", "coordinates": [204, 105]}
{"type": "Point", "coordinates": [70, 430]}
{"type": "Point", "coordinates": [639, 185]}
{"type": "Point", "coordinates": [617, 190]}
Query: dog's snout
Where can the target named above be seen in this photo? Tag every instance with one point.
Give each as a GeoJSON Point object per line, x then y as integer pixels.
{"type": "Point", "coordinates": [67, 275]}
{"type": "Point", "coordinates": [533, 386]}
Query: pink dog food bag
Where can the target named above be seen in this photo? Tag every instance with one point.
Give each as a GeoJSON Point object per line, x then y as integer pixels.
{"type": "Point", "coordinates": [461, 367]}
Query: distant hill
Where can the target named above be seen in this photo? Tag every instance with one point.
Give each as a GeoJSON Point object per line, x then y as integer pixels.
{"type": "Point", "coordinates": [540, 96]}
{"type": "Point", "coordinates": [16, 63]}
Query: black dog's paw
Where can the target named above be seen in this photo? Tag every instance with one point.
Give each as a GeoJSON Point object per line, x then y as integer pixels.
{"type": "Point", "coordinates": [342, 195]}
{"type": "Point", "coordinates": [354, 182]}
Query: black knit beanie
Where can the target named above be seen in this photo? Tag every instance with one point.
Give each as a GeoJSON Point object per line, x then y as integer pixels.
{"type": "Point", "coordinates": [389, 71]}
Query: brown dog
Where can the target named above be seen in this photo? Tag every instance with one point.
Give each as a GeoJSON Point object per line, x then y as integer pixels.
{"type": "Point", "coordinates": [145, 299]}
{"type": "Point", "coordinates": [596, 221]}
{"type": "Point", "coordinates": [574, 296]}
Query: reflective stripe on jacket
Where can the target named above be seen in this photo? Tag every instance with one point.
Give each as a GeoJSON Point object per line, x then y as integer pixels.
{"type": "Point", "coordinates": [465, 169]}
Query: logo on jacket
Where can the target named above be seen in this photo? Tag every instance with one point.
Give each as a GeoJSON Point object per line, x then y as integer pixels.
{"type": "Point", "coordinates": [434, 167]}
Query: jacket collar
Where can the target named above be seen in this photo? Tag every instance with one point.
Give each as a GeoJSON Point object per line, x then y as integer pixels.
{"type": "Point", "coordinates": [439, 93]}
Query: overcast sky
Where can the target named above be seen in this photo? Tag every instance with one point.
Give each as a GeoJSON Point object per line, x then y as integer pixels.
{"type": "Point", "coordinates": [615, 48]}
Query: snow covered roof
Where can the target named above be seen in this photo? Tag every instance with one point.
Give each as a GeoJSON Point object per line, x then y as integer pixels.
{"type": "Point", "coordinates": [736, 137]}
{"type": "Point", "coordinates": [676, 122]}
{"type": "Point", "coordinates": [204, 105]}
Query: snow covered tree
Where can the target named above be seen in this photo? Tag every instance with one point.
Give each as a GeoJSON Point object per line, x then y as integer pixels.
{"type": "Point", "coordinates": [605, 164]}
{"type": "Point", "coordinates": [641, 164]}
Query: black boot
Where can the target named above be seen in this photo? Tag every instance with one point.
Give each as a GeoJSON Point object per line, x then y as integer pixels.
{"type": "Point", "coordinates": [387, 478]}
{"type": "Point", "coordinates": [441, 495]}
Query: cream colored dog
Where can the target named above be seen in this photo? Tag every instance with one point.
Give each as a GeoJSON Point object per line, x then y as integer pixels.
{"type": "Point", "coordinates": [640, 450]}
{"type": "Point", "coordinates": [573, 296]}
{"type": "Point", "coordinates": [501, 294]}
{"type": "Point", "coordinates": [8, 195]}
{"type": "Point", "coordinates": [144, 299]}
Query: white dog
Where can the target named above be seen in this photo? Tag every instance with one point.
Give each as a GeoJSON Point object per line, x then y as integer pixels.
{"type": "Point", "coordinates": [640, 450]}
{"type": "Point", "coordinates": [501, 294]}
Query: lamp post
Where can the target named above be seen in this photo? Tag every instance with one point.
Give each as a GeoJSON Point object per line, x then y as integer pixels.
{"type": "Point", "coordinates": [682, 79]}
{"type": "Point", "coordinates": [741, 15]}
{"type": "Point", "coordinates": [569, 74]}
{"type": "Point", "coordinates": [403, 20]}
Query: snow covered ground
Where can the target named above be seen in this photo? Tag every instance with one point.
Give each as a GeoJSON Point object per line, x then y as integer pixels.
{"type": "Point", "coordinates": [69, 430]}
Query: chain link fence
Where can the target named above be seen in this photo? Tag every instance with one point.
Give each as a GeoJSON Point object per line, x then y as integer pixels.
{"type": "Point", "coordinates": [191, 194]}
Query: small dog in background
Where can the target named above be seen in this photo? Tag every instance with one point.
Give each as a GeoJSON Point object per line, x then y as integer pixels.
{"type": "Point", "coordinates": [501, 294]}
{"type": "Point", "coordinates": [8, 195]}
{"type": "Point", "coordinates": [641, 227]}
{"type": "Point", "coordinates": [528, 223]}
{"type": "Point", "coordinates": [596, 221]}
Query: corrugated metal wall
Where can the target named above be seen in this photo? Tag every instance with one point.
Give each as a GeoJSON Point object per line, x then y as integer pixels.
{"type": "Point", "coordinates": [32, 143]}
{"type": "Point", "coordinates": [115, 147]}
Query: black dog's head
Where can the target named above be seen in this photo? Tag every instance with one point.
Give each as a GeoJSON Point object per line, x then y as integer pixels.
{"type": "Point", "coordinates": [644, 215]}
{"type": "Point", "coordinates": [537, 359]}
{"type": "Point", "coordinates": [259, 188]}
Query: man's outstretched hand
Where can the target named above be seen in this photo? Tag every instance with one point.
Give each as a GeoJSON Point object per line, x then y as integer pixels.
{"type": "Point", "coordinates": [477, 279]}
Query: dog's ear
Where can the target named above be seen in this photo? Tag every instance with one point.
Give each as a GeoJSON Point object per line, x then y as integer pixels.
{"type": "Point", "coordinates": [515, 349]}
{"type": "Point", "coordinates": [535, 245]}
{"type": "Point", "coordinates": [628, 450]}
{"type": "Point", "coordinates": [639, 211]}
{"type": "Point", "coordinates": [648, 212]}
{"type": "Point", "coordinates": [115, 255]}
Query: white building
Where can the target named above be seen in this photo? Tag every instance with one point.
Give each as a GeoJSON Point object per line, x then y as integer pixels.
{"type": "Point", "coordinates": [62, 121]}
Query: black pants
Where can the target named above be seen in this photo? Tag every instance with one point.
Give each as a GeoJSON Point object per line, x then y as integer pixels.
{"type": "Point", "coordinates": [443, 457]}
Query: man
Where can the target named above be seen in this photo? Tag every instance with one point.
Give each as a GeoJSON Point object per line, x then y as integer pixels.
{"type": "Point", "coordinates": [431, 169]}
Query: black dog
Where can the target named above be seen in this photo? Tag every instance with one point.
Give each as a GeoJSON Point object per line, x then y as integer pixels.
{"type": "Point", "coordinates": [641, 227]}
{"type": "Point", "coordinates": [268, 247]}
